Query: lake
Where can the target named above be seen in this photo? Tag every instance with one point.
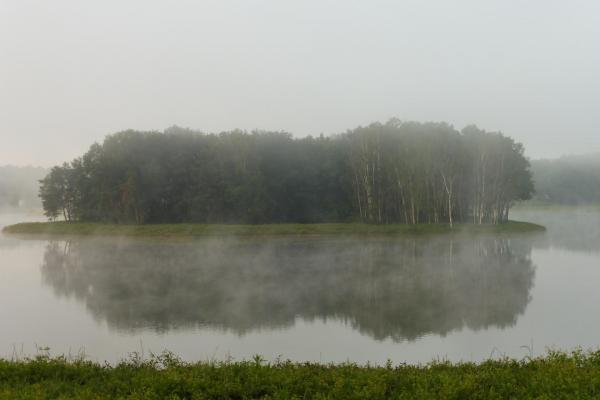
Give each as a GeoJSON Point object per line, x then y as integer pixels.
{"type": "Point", "coordinates": [306, 299]}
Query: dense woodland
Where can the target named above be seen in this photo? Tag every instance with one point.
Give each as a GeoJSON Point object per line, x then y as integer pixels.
{"type": "Point", "coordinates": [573, 180]}
{"type": "Point", "coordinates": [397, 172]}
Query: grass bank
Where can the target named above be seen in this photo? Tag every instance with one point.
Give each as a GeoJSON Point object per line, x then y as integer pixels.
{"type": "Point", "coordinates": [556, 375]}
{"type": "Point", "coordinates": [199, 230]}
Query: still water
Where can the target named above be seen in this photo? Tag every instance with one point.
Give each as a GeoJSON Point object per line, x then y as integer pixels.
{"type": "Point", "coordinates": [406, 300]}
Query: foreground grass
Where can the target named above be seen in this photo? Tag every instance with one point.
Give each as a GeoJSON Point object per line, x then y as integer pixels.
{"type": "Point", "coordinates": [193, 230]}
{"type": "Point", "coordinates": [557, 375]}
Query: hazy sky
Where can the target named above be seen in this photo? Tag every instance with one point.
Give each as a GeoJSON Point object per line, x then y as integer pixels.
{"type": "Point", "coordinates": [73, 71]}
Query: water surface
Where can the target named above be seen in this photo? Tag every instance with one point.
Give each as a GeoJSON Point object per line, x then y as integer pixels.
{"type": "Point", "coordinates": [403, 299]}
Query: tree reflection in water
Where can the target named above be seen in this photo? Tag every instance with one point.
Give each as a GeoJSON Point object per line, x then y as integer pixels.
{"type": "Point", "coordinates": [399, 289]}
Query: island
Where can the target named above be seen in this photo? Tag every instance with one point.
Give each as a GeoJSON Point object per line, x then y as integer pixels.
{"type": "Point", "coordinates": [386, 178]}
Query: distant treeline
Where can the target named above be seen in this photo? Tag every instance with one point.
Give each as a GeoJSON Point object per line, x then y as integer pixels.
{"type": "Point", "coordinates": [573, 180]}
{"type": "Point", "coordinates": [19, 187]}
{"type": "Point", "coordinates": [397, 172]}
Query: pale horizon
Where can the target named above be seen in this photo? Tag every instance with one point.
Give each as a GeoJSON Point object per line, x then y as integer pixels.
{"type": "Point", "coordinates": [72, 73]}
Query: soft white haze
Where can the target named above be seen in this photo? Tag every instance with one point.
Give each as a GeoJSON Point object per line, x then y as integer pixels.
{"type": "Point", "coordinates": [73, 71]}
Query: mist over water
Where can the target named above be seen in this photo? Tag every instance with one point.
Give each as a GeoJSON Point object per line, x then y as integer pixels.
{"type": "Point", "coordinates": [575, 229]}
{"type": "Point", "coordinates": [398, 289]}
{"type": "Point", "coordinates": [406, 299]}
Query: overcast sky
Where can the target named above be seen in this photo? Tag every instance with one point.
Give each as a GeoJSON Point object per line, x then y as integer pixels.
{"type": "Point", "coordinates": [73, 71]}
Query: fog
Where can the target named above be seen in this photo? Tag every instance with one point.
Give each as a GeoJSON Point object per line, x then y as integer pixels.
{"type": "Point", "coordinates": [19, 189]}
{"type": "Point", "coordinates": [398, 289]}
{"type": "Point", "coordinates": [408, 299]}
{"type": "Point", "coordinates": [72, 72]}
{"type": "Point", "coordinates": [262, 73]}
{"type": "Point", "coordinates": [573, 228]}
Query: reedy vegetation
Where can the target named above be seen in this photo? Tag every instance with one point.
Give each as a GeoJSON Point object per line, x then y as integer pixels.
{"type": "Point", "coordinates": [557, 375]}
{"type": "Point", "coordinates": [397, 172]}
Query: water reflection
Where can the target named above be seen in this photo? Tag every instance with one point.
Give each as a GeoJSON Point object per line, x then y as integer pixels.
{"type": "Point", "coordinates": [399, 289]}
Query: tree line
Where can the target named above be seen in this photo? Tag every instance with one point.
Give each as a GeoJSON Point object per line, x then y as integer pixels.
{"type": "Point", "coordinates": [572, 180]}
{"type": "Point", "coordinates": [394, 172]}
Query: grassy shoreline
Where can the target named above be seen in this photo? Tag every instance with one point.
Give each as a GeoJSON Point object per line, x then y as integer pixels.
{"type": "Point", "coordinates": [555, 375]}
{"type": "Point", "coordinates": [203, 230]}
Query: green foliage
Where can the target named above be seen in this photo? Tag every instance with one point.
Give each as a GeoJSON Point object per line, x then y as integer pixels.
{"type": "Point", "coordinates": [192, 230]}
{"type": "Point", "coordinates": [59, 191]}
{"type": "Point", "coordinates": [398, 172]}
{"type": "Point", "coordinates": [557, 375]}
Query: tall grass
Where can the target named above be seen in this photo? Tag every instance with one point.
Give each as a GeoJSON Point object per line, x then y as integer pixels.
{"type": "Point", "coordinates": [556, 375]}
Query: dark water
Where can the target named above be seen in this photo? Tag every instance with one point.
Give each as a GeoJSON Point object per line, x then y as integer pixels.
{"type": "Point", "coordinates": [461, 298]}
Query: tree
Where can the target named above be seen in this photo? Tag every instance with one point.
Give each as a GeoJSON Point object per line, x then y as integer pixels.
{"type": "Point", "coordinates": [397, 172]}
